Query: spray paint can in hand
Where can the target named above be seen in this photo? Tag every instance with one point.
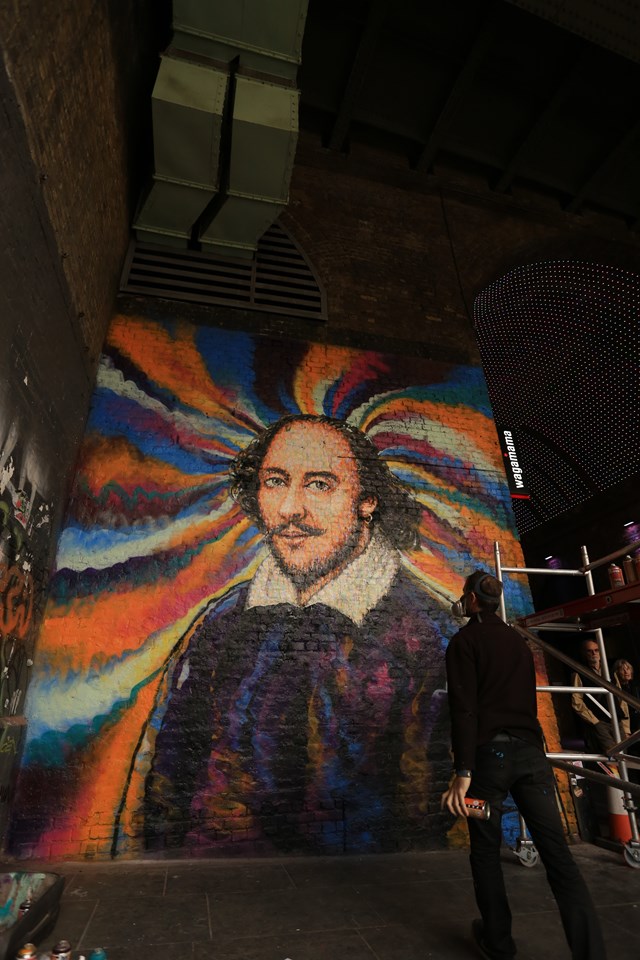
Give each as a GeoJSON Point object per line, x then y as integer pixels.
{"type": "Point", "coordinates": [616, 576]}
{"type": "Point", "coordinates": [480, 809]}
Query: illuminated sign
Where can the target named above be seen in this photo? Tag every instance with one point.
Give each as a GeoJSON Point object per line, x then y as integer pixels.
{"type": "Point", "coordinates": [513, 466]}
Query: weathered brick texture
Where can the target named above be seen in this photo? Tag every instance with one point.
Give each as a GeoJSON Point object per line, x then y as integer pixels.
{"type": "Point", "coordinates": [82, 75]}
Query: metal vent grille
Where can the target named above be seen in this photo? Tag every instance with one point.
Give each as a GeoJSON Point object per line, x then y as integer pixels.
{"type": "Point", "coordinates": [279, 279]}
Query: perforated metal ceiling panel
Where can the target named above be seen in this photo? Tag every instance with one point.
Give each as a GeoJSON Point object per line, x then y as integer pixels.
{"type": "Point", "coordinates": [560, 345]}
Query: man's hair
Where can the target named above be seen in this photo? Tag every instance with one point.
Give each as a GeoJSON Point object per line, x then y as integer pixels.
{"type": "Point", "coordinates": [488, 589]}
{"type": "Point", "coordinates": [586, 640]}
{"type": "Point", "coordinates": [582, 648]}
{"type": "Point", "coordinates": [397, 513]}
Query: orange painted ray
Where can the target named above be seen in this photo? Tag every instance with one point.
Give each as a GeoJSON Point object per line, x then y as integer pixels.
{"type": "Point", "coordinates": [481, 527]}
{"type": "Point", "coordinates": [323, 364]}
{"type": "Point", "coordinates": [433, 567]}
{"type": "Point", "coordinates": [116, 460]}
{"type": "Point", "coordinates": [99, 781]}
{"type": "Point", "coordinates": [464, 516]}
{"type": "Point", "coordinates": [108, 619]}
{"type": "Point", "coordinates": [471, 423]}
{"type": "Point", "coordinates": [438, 531]}
{"type": "Point", "coordinates": [174, 363]}
{"type": "Point", "coordinates": [320, 363]}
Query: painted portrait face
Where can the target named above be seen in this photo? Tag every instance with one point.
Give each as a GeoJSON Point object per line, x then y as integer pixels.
{"type": "Point", "coordinates": [310, 503]}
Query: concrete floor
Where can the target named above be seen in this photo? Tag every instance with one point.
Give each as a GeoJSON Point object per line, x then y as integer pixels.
{"type": "Point", "coordinates": [393, 907]}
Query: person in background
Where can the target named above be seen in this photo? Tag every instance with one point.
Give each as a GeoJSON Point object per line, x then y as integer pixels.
{"type": "Point", "coordinates": [497, 749]}
{"type": "Point", "coordinates": [623, 677]}
{"type": "Point", "coordinates": [592, 709]}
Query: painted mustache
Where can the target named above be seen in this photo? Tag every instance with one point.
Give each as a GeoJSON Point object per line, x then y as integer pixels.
{"type": "Point", "coordinates": [293, 529]}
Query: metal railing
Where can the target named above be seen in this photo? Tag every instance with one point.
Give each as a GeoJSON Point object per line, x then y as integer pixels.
{"type": "Point", "coordinates": [601, 683]}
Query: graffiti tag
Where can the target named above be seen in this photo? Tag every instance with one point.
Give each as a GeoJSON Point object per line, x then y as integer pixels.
{"type": "Point", "coordinates": [16, 599]}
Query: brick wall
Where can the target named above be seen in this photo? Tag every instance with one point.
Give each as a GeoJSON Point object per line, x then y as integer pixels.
{"type": "Point", "coordinates": [71, 79]}
{"type": "Point", "coordinates": [44, 392]}
{"type": "Point", "coordinates": [82, 75]}
{"type": "Point", "coordinates": [173, 708]}
{"type": "Point", "coordinates": [386, 256]}
{"type": "Point", "coordinates": [402, 257]}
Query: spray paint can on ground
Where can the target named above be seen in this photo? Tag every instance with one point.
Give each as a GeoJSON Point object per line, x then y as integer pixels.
{"type": "Point", "coordinates": [28, 952]}
{"type": "Point", "coordinates": [61, 951]}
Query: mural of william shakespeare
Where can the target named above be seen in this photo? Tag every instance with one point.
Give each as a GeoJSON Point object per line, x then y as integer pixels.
{"type": "Point", "coordinates": [305, 710]}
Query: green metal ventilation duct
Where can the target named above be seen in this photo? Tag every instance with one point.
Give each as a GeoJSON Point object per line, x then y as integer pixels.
{"type": "Point", "coordinates": [225, 124]}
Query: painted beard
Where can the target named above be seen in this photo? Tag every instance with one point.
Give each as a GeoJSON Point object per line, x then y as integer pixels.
{"type": "Point", "coordinates": [304, 578]}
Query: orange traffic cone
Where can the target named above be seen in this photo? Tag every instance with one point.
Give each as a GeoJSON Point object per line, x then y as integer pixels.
{"type": "Point", "coordinates": [619, 826]}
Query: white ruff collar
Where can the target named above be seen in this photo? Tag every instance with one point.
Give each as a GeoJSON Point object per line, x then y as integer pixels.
{"type": "Point", "coordinates": [353, 593]}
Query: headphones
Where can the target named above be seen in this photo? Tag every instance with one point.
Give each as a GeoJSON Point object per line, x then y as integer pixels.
{"type": "Point", "coordinates": [475, 582]}
{"type": "Point", "coordinates": [474, 585]}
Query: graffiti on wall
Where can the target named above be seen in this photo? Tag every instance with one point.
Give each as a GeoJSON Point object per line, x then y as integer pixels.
{"type": "Point", "coordinates": [244, 639]}
{"type": "Point", "coordinates": [24, 544]}
{"type": "Point", "coordinates": [24, 535]}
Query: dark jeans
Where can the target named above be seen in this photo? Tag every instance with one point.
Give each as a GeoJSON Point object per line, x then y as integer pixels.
{"type": "Point", "coordinates": [520, 768]}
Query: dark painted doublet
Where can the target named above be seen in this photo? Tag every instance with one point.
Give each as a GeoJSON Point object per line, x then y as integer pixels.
{"type": "Point", "coordinates": [295, 727]}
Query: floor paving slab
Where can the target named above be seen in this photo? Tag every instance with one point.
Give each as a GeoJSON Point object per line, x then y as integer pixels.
{"type": "Point", "coordinates": [416, 906]}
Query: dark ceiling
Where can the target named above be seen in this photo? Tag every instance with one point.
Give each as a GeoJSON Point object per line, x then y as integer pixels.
{"type": "Point", "coordinates": [518, 103]}
{"type": "Point", "coordinates": [487, 88]}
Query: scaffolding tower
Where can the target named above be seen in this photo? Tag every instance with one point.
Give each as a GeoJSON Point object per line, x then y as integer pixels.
{"type": "Point", "coordinates": [581, 616]}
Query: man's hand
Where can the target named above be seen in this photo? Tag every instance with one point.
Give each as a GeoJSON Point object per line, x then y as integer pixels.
{"type": "Point", "coordinates": [453, 799]}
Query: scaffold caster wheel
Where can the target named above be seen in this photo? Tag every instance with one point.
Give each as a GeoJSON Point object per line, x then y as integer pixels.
{"type": "Point", "coordinates": [527, 855]}
{"type": "Point", "coordinates": [632, 855]}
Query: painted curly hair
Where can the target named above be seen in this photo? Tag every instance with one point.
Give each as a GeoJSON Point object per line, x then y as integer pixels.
{"type": "Point", "coordinates": [397, 513]}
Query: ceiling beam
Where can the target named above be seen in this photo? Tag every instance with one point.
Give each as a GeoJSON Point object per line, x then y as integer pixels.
{"type": "Point", "coordinates": [561, 94]}
{"type": "Point", "coordinates": [458, 91]}
{"type": "Point", "coordinates": [604, 169]}
{"type": "Point", "coordinates": [361, 63]}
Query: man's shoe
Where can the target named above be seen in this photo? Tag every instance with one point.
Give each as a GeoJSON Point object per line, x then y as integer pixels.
{"type": "Point", "coordinates": [477, 932]}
